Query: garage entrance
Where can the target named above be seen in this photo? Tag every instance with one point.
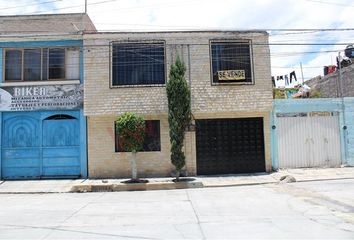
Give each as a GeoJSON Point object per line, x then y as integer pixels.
{"type": "Point", "coordinates": [310, 139]}
{"type": "Point", "coordinates": [229, 146]}
{"type": "Point", "coordinates": [40, 145]}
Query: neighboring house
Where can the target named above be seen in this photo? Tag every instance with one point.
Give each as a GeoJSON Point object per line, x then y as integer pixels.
{"type": "Point", "coordinates": [43, 129]}
{"type": "Point", "coordinates": [314, 132]}
{"type": "Point", "coordinates": [229, 76]}
{"type": "Point", "coordinates": [333, 84]}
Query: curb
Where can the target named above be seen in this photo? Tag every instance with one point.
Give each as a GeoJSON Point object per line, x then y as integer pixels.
{"type": "Point", "coordinates": [238, 184]}
{"type": "Point", "coordinates": [119, 187]}
{"type": "Point", "coordinates": [325, 179]}
{"type": "Point", "coordinates": [82, 188]}
{"type": "Point", "coordinates": [34, 192]}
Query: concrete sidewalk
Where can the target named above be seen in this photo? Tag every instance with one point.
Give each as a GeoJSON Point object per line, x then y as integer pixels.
{"type": "Point", "coordinates": [87, 185]}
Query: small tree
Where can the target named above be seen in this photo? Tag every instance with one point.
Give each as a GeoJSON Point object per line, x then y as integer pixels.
{"type": "Point", "coordinates": [131, 130]}
{"type": "Point", "coordinates": [179, 112]}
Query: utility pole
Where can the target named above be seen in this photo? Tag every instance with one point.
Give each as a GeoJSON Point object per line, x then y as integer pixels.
{"type": "Point", "coordinates": [340, 75]}
{"type": "Point", "coordinates": [344, 127]}
{"type": "Point", "coordinates": [302, 73]}
{"type": "Point", "coordinates": [85, 6]}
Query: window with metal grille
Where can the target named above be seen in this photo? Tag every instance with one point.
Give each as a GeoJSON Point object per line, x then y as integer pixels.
{"type": "Point", "coordinates": [231, 62]}
{"type": "Point", "coordinates": [152, 139]}
{"type": "Point", "coordinates": [138, 63]}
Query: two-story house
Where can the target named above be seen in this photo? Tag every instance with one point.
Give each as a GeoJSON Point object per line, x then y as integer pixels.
{"type": "Point", "coordinates": [43, 128]}
{"type": "Point", "coordinates": [231, 97]}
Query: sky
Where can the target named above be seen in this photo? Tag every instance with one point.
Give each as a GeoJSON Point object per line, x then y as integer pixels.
{"type": "Point", "coordinates": [298, 46]}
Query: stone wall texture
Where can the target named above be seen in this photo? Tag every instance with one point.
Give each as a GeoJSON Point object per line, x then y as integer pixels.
{"type": "Point", "coordinates": [330, 86]}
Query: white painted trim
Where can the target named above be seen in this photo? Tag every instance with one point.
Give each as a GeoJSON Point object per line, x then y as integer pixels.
{"type": "Point", "coordinates": [39, 83]}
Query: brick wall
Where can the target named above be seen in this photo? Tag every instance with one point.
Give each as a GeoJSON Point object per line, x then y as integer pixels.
{"type": "Point", "coordinates": [329, 85]}
{"type": "Point", "coordinates": [101, 99]}
{"type": "Point", "coordinates": [103, 104]}
{"type": "Point", "coordinates": [104, 162]}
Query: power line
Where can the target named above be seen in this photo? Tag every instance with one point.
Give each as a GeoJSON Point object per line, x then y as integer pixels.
{"type": "Point", "coordinates": [82, 5]}
{"type": "Point", "coordinates": [240, 58]}
{"type": "Point", "coordinates": [331, 3]}
{"type": "Point", "coordinates": [310, 31]}
{"type": "Point", "coordinates": [28, 5]}
{"type": "Point", "coordinates": [226, 29]}
{"type": "Point", "coordinates": [291, 31]}
{"type": "Point", "coordinates": [110, 38]}
{"type": "Point", "coordinates": [127, 9]}
{"type": "Point", "coordinates": [120, 9]}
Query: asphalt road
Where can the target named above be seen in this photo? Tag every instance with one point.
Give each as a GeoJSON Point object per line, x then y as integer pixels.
{"type": "Point", "coordinates": [312, 210]}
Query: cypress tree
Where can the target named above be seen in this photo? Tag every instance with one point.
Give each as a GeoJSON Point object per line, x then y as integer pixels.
{"type": "Point", "coordinates": [179, 112]}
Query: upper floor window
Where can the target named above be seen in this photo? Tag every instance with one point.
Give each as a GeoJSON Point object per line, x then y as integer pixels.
{"type": "Point", "coordinates": [231, 62]}
{"type": "Point", "coordinates": [138, 63]}
{"type": "Point", "coordinates": [36, 64]}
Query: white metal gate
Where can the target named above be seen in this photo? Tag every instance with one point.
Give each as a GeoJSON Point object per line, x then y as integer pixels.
{"type": "Point", "coordinates": [308, 140]}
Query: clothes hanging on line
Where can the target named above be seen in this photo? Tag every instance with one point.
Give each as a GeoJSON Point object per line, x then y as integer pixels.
{"type": "Point", "coordinates": [287, 77]}
{"type": "Point", "coordinates": [286, 80]}
{"type": "Point", "coordinates": [293, 74]}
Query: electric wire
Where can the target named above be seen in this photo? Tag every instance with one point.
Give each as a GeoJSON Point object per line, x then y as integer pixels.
{"type": "Point", "coordinates": [76, 6]}
{"type": "Point", "coordinates": [331, 3]}
{"type": "Point", "coordinates": [29, 5]}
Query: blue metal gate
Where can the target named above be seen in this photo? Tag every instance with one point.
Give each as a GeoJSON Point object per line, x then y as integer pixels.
{"type": "Point", "coordinates": [40, 145]}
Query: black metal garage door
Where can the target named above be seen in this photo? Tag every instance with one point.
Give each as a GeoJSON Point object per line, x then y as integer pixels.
{"type": "Point", "coordinates": [226, 146]}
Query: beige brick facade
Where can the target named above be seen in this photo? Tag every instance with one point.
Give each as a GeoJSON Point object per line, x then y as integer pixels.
{"type": "Point", "coordinates": [105, 162]}
{"type": "Point", "coordinates": [104, 103]}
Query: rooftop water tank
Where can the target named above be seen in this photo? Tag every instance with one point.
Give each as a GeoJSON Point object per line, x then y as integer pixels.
{"type": "Point", "coordinates": [349, 51]}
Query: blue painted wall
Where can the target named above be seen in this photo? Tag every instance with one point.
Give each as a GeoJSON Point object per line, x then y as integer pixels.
{"type": "Point", "coordinates": [82, 118]}
{"type": "Point", "coordinates": [1, 64]}
{"type": "Point", "coordinates": [29, 44]}
{"type": "Point", "coordinates": [349, 119]}
{"type": "Point", "coordinates": [0, 143]}
{"type": "Point", "coordinates": [345, 108]}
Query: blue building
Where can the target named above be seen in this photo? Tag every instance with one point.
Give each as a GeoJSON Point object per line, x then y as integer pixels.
{"type": "Point", "coordinates": [43, 129]}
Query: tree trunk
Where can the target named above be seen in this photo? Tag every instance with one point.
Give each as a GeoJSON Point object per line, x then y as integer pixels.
{"type": "Point", "coordinates": [133, 166]}
{"type": "Point", "coordinates": [178, 173]}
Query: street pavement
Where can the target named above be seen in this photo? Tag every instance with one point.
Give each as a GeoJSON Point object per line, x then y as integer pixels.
{"type": "Point", "coordinates": [62, 186]}
{"type": "Point", "coordinates": [301, 210]}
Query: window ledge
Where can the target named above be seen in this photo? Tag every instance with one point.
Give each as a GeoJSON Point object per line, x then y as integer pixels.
{"type": "Point", "coordinates": [39, 83]}
{"type": "Point", "coordinates": [232, 83]}
{"type": "Point", "coordinates": [138, 86]}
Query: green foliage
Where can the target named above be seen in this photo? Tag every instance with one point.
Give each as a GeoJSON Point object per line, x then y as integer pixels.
{"type": "Point", "coordinates": [282, 93]}
{"type": "Point", "coordinates": [179, 111]}
{"type": "Point", "coordinates": [315, 94]}
{"type": "Point", "coordinates": [278, 93]}
{"type": "Point", "coordinates": [131, 131]}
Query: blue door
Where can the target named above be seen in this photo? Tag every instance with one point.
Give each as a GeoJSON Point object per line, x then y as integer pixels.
{"type": "Point", "coordinates": [61, 146]}
{"type": "Point", "coordinates": [40, 145]}
{"type": "Point", "coordinates": [21, 145]}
